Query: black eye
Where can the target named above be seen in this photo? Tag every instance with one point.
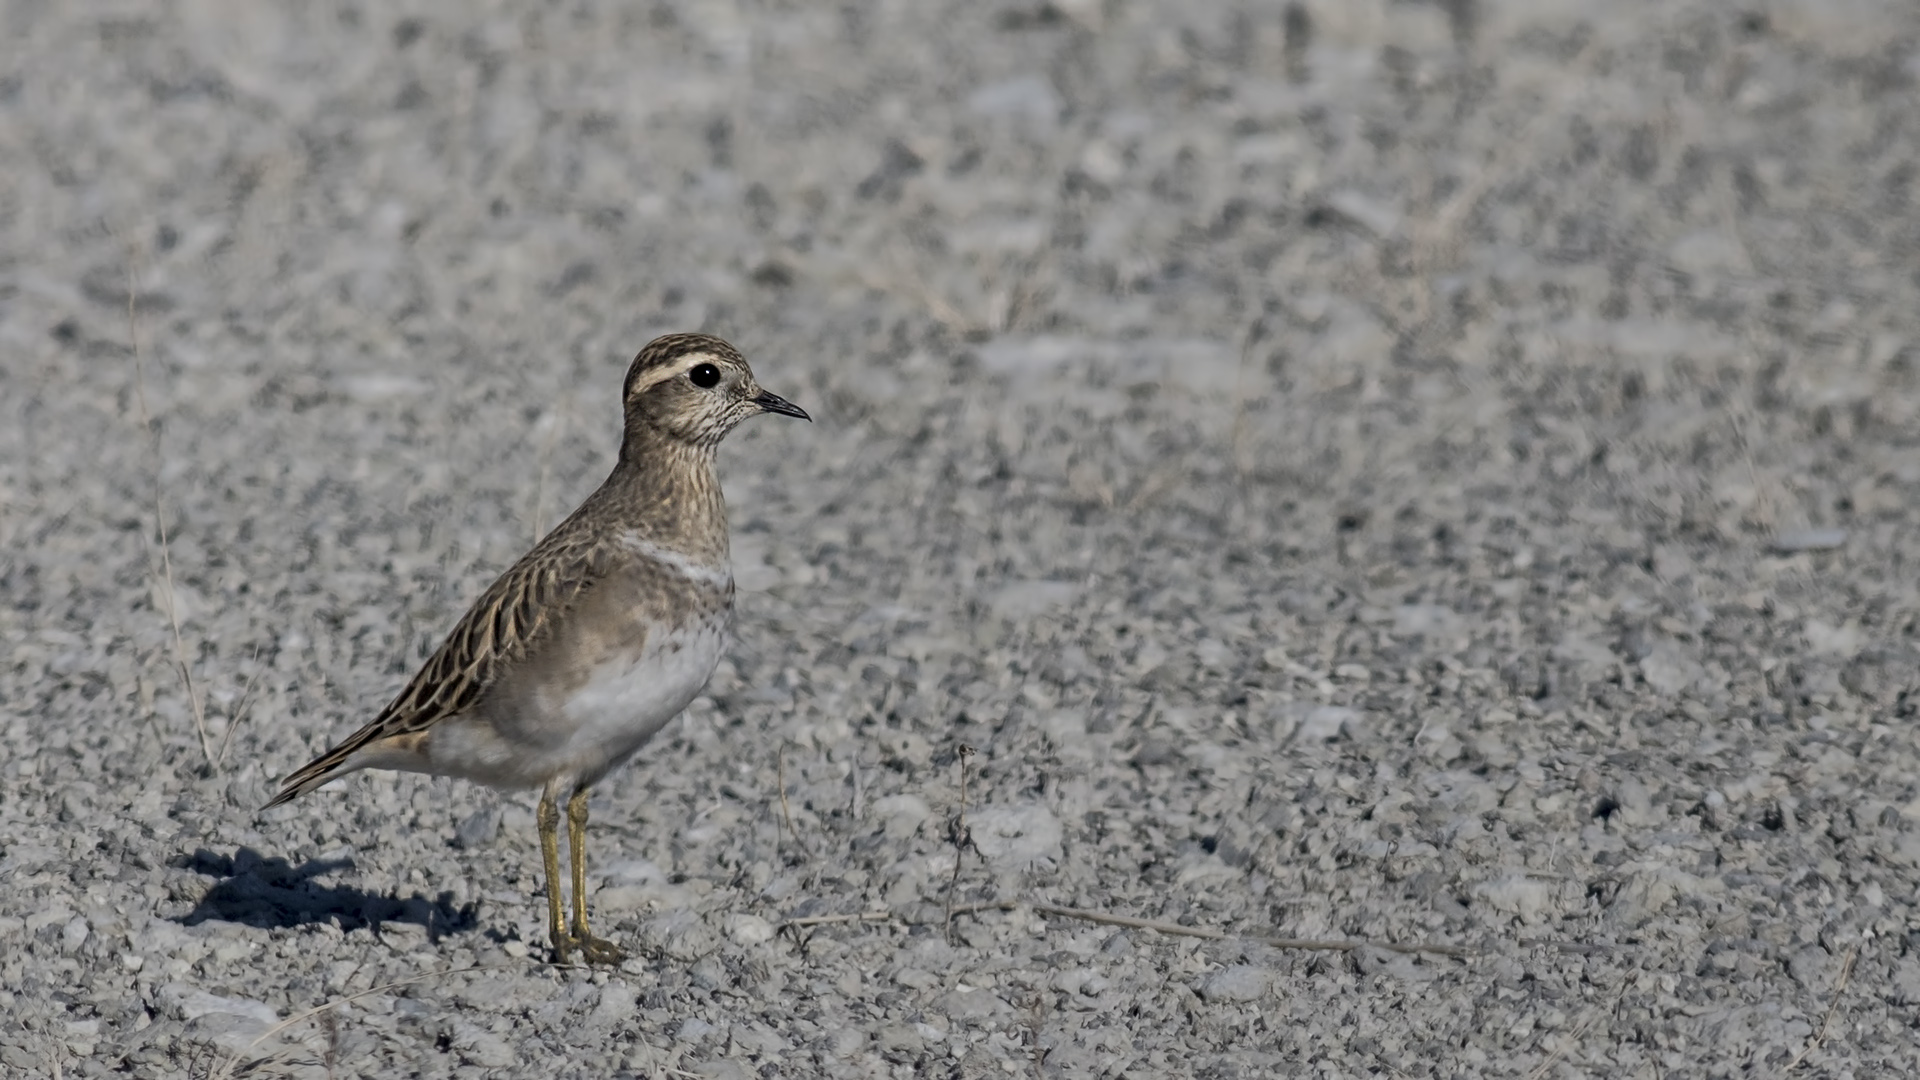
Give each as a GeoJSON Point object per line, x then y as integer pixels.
{"type": "Point", "coordinates": [704, 376]}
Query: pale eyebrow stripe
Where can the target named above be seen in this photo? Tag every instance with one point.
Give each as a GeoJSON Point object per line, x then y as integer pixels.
{"type": "Point", "coordinates": [664, 372]}
{"type": "Point", "coordinates": [679, 562]}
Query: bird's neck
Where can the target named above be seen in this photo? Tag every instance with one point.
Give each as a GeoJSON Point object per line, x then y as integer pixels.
{"type": "Point", "coordinates": [664, 491]}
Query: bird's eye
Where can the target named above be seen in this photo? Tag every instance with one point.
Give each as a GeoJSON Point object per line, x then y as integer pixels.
{"type": "Point", "coordinates": [704, 376]}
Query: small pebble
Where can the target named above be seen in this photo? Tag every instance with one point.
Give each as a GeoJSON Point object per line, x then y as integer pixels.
{"type": "Point", "coordinates": [1016, 834]}
{"type": "Point", "coordinates": [1239, 983]}
{"type": "Point", "coordinates": [1798, 540]}
{"type": "Point", "coordinates": [749, 929]}
{"type": "Point", "coordinates": [693, 1029]}
{"type": "Point", "coordinates": [478, 829]}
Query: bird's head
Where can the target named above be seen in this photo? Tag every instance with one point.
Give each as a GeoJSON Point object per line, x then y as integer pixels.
{"type": "Point", "coordinates": [693, 388]}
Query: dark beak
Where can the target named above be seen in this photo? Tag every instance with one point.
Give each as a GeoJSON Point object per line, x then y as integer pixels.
{"type": "Point", "coordinates": [776, 403]}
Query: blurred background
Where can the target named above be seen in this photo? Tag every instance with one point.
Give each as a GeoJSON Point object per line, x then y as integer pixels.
{"type": "Point", "coordinates": [1352, 468]}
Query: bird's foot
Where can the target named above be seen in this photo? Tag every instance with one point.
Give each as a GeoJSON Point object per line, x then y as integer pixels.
{"type": "Point", "coordinates": [598, 950]}
{"type": "Point", "coordinates": [593, 950]}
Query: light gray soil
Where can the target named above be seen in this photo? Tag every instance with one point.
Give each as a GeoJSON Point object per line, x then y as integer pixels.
{"type": "Point", "coordinates": [1403, 472]}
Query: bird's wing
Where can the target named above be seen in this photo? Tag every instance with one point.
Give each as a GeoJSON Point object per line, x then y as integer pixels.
{"type": "Point", "coordinates": [507, 621]}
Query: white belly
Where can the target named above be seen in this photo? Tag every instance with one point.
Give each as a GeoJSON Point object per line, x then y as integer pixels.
{"type": "Point", "coordinates": [622, 705]}
{"type": "Point", "coordinates": [577, 739]}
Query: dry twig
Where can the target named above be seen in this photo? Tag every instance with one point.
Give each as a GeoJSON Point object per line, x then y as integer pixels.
{"type": "Point", "coordinates": [962, 838]}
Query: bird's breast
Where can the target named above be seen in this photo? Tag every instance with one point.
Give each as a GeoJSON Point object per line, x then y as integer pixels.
{"type": "Point", "coordinates": [627, 696]}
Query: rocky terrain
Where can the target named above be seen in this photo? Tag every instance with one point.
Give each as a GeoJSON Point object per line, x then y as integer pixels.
{"type": "Point", "coordinates": [1386, 473]}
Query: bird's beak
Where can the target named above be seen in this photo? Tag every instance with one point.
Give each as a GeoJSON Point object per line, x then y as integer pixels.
{"type": "Point", "coordinates": [776, 403]}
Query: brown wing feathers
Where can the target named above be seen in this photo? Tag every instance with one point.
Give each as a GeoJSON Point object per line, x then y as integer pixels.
{"type": "Point", "coordinates": [508, 619]}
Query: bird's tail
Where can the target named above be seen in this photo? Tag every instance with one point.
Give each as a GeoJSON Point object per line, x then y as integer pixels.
{"type": "Point", "coordinates": [328, 766]}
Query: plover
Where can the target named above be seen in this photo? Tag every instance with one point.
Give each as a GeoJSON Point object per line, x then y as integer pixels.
{"type": "Point", "coordinates": [598, 636]}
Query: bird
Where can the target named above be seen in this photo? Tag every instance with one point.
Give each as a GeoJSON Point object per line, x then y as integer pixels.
{"type": "Point", "coordinates": [601, 633]}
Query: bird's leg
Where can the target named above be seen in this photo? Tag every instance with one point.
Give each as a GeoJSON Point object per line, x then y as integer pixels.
{"type": "Point", "coordinates": [595, 950]}
{"type": "Point", "coordinates": [549, 824]}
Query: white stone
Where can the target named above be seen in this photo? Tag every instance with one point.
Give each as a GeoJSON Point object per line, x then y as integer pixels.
{"type": "Point", "coordinates": [901, 814]}
{"type": "Point", "coordinates": [748, 929]}
{"type": "Point", "coordinates": [1015, 834]}
{"type": "Point", "coordinates": [1239, 983]}
{"type": "Point", "coordinates": [185, 1002]}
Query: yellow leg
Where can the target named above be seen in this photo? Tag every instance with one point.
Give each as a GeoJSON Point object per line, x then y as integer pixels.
{"type": "Point", "coordinates": [595, 950]}
{"type": "Point", "coordinates": [549, 825]}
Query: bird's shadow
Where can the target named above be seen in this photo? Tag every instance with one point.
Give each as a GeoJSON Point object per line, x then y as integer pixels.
{"type": "Point", "coordinates": [270, 893]}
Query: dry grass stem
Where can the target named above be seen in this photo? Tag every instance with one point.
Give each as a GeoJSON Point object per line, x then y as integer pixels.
{"type": "Point", "coordinates": [786, 811]}
{"type": "Point", "coordinates": [1132, 923]}
{"type": "Point", "coordinates": [1826, 1022]}
{"type": "Point", "coordinates": [1158, 483]}
{"type": "Point", "coordinates": [1310, 944]}
{"type": "Point", "coordinates": [906, 283]}
{"type": "Point", "coordinates": [1237, 435]}
{"type": "Point", "coordinates": [160, 514]}
{"type": "Point", "coordinates": [962, 840]}
{"type": "Point", "coordinates": [330, 1024]}
{"type": "Point", "coordinates": [239, 714]}
{"type": "Point", "coordinates": [829, 920]}
{"type": "Point", "coordinates": [338, 1002]}
{"type": "Point", "coordinates": [1573, 1039]}
{"type": "Point", "coordinates": [554, 424]}
{"type": "Point", "coordinates": [979, 906]}
{"type": "Point", "coordinates": [1435, 243]}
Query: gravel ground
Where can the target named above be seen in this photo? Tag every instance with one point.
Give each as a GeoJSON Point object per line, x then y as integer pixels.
{"type": "Point", "coordinates": [1385, 471]}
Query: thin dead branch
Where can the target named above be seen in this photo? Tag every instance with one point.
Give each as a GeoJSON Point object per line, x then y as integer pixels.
{"type": "Point", "coordinates": [962, 838]}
